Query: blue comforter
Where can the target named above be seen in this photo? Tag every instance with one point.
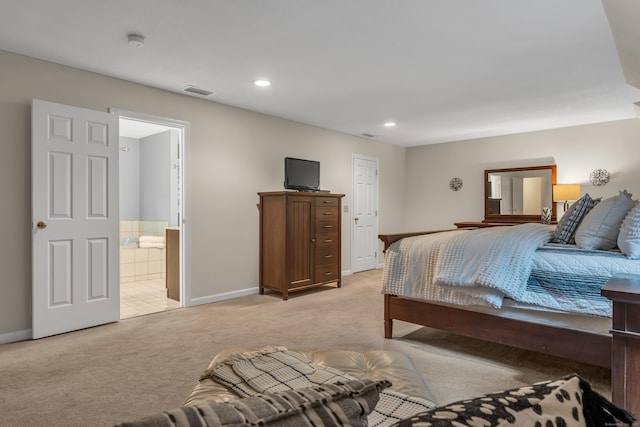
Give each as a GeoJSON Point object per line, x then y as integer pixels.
{"type": "Point", "coordinates": [558, 277]}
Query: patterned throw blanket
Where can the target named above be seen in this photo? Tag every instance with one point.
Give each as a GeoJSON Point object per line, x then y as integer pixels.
{"type": "Point", "coordinates": [477, 267]}
{"type": "Point", "coordinates": [491, 263]}
{"type": "Point", "coordinates": [275, 369]}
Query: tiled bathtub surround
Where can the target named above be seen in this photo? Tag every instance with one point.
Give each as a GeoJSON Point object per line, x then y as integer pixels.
{"type": "Point", "coordinates": [138, 264]}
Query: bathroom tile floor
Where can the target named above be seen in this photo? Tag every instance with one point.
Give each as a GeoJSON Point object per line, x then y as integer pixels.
{"type": "Point", "coordinates": [144, 297]}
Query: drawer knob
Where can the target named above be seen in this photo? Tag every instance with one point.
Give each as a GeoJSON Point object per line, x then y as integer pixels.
{"type": "Point", "coordinates": [327, 226]}
{"type": "Point", "coordinates": [328, 240]}
{"type": "Point", "coordinates": [328, 256]}
{"type": "Point", "coordinates": [328, 273]}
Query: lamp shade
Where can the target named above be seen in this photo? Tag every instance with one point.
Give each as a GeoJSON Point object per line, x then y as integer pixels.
{"type": "Point", "coordinates": [564, 192]}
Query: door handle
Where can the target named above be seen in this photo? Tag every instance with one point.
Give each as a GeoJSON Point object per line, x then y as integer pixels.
{"type": "Point", "coordinates": [355, 218]}
{"type": "Point", "coordinates": [41, 225]}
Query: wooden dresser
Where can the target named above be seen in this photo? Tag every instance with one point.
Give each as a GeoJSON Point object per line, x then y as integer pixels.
{"type": "Point", "coordinates": [299, 240]}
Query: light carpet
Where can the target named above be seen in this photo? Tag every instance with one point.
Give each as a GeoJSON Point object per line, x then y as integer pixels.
{"type": "Point", "coordinates": [122, 371]}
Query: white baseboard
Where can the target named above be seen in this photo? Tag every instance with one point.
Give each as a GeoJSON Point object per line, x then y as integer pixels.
{"type": "Point", "coordinates": [222, 297]}
{"type": "Point", "coordinates": [24, 335]}
{"type": "Point", "coordinates": [234, 294]}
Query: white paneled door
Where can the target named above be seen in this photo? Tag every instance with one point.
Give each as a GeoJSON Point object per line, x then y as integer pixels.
{"type": "Point", "coordinates": [74, 218]}
{"type": "Point", "coordinates": [364, 216]}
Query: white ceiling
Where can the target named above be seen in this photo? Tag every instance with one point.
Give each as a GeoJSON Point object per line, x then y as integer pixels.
{"type": "Point", "coordinates": [443, 70]}
{"type": "Point", "coordinates": [139, 129]}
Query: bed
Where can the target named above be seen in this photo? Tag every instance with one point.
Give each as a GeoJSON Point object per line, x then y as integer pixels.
{"type": "Point", "coordinates": [603, 330]}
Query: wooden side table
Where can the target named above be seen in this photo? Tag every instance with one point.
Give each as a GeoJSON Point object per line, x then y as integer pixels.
{"type": "Point", "coordinates": [482, 224]}
{"type": "Point", "coordinates": [624, 291]}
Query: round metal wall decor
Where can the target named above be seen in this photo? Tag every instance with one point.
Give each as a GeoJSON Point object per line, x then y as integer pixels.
{"type": "Point", "coordinates": [599, 177]}
{"type": "Point", "coordinates": [455, 184]}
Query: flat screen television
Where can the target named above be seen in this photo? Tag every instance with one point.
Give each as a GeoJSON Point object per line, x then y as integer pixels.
{"type": "Point", "coordinates": [301, 175]}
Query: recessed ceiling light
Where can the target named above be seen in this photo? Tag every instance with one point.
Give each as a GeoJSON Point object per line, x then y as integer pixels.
{"type": "Point", "coordinates": [389, 124]}
{"type": "Point", "coordinates": [135, 40]}
{"type": "Point", "coordinates": [262, 83]}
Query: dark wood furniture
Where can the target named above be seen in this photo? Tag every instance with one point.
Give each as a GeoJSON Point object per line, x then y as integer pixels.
{"type": "Point", "coordinates": [619, 349]}
{"type": "Point", "coordinates": [172, 263]}
{"type": "Point", "coordinates": [492, 206]}
{"type": "Point", "coordinates": [474, 224]}
{"type": "Point", "coordinates": [624, 291]}
{"type": "Point", "coordinates": [299, 240]}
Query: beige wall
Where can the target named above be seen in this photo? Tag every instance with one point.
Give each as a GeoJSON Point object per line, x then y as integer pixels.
{"type": "Point", "coordinates": [224, 218]}
{"type": "Point", "coordinates": [614, 146]}
{"type": "Point", "coordinates": [224, 140]}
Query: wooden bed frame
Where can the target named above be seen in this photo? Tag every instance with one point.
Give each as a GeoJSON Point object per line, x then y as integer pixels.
{"type": "Point", "coordinates": [619, 349]}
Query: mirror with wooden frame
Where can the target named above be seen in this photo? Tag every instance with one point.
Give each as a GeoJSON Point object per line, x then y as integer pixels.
{"type": "Point", "coordinates": [519, 194]}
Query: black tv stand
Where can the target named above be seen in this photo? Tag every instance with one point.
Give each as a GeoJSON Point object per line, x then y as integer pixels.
{"type": "Point", "coordinates": [308, 190]}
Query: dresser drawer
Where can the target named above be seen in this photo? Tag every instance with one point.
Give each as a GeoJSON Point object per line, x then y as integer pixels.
{"type": "Point", "coordinates": [326, 225]}
{"type": "Point", "coordinates": [327, 201]}
{"type": "Point", "coordinates": [326, 213]}
{"type": "Point", "coordinates": [328, 239]}
{"type": "Point", "coordinates": [326, 255]}
{"type": "Point", "coordinates": [326, 273]}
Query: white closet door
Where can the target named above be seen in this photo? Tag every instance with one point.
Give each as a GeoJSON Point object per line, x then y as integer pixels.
{"type": "Point", "coordinates": [364, 209]}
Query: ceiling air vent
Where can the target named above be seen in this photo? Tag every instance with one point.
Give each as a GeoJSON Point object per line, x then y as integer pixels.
{"type": "Point", "coordinates": [197, 90]}
{"type": "Point", "coordinates": [369, 135]}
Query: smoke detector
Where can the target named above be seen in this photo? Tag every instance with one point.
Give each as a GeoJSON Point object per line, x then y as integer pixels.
{"type": "Point", "coordinates": [135, 40]}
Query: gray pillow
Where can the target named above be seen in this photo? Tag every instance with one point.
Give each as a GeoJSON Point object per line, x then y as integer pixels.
{"type": "Point", "coordinates": [600, 227]}
{"type": "Point", "coordinates": [322, 405]}
{"type": "Point", "coordinates": [566, 228]}
{"type": "Point", "coordinates": [629, 237]}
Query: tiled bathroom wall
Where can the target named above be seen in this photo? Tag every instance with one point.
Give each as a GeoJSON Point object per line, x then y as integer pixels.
{"type": "Point", "coordinates": [137, 264]}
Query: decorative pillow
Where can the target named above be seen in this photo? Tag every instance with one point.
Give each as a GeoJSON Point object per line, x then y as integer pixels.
{"type": "Point", "coordinates": [566, 228]}
{"type": "Point", "coordinates": [568, 402]}
{"type": "Point", "coordinates": [600, 227]}
{"type": "Point", "coordinates": [393, 405]}
{"type": "Point", "coordinates": [629, 237]}
{"type": "Point", "coordinates": [322, 405]}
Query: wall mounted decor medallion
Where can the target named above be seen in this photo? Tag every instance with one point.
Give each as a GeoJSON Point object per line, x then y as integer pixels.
{"type": "Point", "coordinates": [455, 184]}
{"type": "Point", "coordinates": [599, 177]}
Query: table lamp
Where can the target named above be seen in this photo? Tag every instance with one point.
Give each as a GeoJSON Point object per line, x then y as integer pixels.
{"type": "Point", "coordinates": [566, 192]}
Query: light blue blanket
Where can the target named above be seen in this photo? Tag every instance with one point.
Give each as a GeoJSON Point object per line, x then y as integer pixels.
{"type": "Point", "coordinates": [491, 263]}
{"type": "Point", "coordinates": [438, 267]}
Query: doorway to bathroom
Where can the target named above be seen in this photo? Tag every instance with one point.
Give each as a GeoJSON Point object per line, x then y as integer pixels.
{"type": "Point", "coordinates": [152, 193]}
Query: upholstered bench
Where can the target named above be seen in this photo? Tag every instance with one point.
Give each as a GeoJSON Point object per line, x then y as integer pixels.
{"type": "Point", "coordinates": [375, 365]}
{"type": "Point", "coordinates": [278, 387]}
